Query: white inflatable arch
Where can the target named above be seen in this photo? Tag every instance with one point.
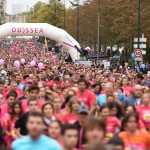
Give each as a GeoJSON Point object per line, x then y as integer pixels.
{"type": "Point", "coordinates": [42, 29]}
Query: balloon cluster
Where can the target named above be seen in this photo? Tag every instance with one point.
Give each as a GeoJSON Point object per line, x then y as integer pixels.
{"type": "Point", "coordinates": [18, 63]}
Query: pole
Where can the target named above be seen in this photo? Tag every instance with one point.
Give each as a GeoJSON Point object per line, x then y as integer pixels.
{"type": "Point", "coordinates": [98, 50]}
{"type": "Point", "coordinates": [64, 14]}
{"type": "Point", "coordinates": [78, 21]}
{"type": "Point", "coordinates": [55, 14]}
{"type": "Point", "coordinates": [139, 22]}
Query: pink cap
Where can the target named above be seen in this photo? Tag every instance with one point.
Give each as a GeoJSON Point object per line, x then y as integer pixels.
{"type": "Point", "coordinates": [30, 81]}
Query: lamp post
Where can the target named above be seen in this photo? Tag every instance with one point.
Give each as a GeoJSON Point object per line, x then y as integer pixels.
{"type": "Point", "coordinates": [139, 22]}
{"type": "Point", "coordinates": [78, 20]}
{"type": "Point", "coordinates": [99, 47]}
{"type": "Point", "coordinates": [64, 14]}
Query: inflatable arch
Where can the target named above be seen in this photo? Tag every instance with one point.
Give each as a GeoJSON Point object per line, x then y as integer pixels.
{"type": "Point", "coordinates": [42, 29]}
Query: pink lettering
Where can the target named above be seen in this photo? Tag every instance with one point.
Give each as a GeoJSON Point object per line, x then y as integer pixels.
{"type": "Point", "coordinates": [41, 30]}
{"type": "Point", "coordinates": [19, 30]}
{"type": "Point", "coordinates": [31, 30]}
{"type": "Point", "coordinates": [36, 30]}
{"type": "Point", "coordinates": [14, 29]}
{"type": "Point", "coordinates": [27, 30]}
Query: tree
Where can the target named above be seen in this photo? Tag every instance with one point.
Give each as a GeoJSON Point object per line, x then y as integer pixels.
{"type": "Point", "coordinates": [44, 13]}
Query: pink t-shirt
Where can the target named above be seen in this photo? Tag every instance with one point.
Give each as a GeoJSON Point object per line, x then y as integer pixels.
{"type": "Point", "coordinates": [144, 114]}
{"type": "Point", "coordinates": [59, 117]}
{"type": "Point", "coordinates": [127, 90]}
{"type": "Point", "coordinates": [51, 82]}
{"type": "Point", "coordinates": [24, 104]}
{"type": "Point", "coordinates": [70, 118]}
{"type": "Point", "coordinates": [4, 110]}
{"type": "Point", "coordinates": [9, 122]}
{"type": "Point", "coordinates": [8, 89]}
{"type": "Point", "coordinates": [87, 97]}
{"type": "Point", "coordinates": [111, 124]}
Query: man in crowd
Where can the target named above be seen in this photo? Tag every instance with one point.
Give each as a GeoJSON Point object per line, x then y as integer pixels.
{"type": "Point", "coordinates": [83, 114]}
{"type": "Point", "coordinates": [33, 92]}
{"type": "Point", "coordinates": [84, 95]}
{"type": "Point", "coordinates": [135, 98]}
{"type": "Point", "coordinates": [36, 140]}
{"type": "Point", "coordinates": [70, 137]}
{"type": "Point", "coordinates": [108, 91]}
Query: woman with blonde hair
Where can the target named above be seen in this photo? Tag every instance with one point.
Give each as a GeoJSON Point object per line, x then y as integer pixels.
{"type": "Point", "coordinates": [73, 106]}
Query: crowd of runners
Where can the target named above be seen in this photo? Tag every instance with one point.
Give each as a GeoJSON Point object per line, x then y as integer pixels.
{"type": "Point", "coordinates": [69, 107]}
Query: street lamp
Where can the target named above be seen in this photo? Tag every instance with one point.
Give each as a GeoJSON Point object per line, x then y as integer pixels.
{"type": "Point", "coordinates": [139, 22]}
{"type": "Point", "coordinates": [99, 47]}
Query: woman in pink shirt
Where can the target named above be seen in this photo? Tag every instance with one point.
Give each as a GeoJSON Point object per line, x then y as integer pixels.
{"type": "Point", "coordinates": [7, 107]}
{"type": "Point", "coordinates": [111, 122]}
{"type": "Point", "coordinates": [8, 123]}
{"type": "Point", "coordinates": [63, 95]}
{"type": "Point", "coordinates": [126, 89]}
{"type": "Point", "coordinates": [73, 106]}
{"type": "Point", "coordinates": [55, 130]}
{"type": "Point", "coordinates": [144, 110]}
{"type": "Point", "coordinates": [131, 109]}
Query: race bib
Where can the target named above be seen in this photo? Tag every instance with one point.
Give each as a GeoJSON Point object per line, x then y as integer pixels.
{"type": "Point", "coordinates": [146, 117]}
{"type": "Point", "coordinates": [13, 133]}
{"type": "Point", "coordinates": [108, 135]}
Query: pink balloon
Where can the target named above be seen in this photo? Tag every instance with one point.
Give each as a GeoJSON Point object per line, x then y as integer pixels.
{"type": "Point", "coordinates": [22, 61]}
{"type": "Point", "coordinates": [1, 62]}
{"type": "Point", "coordinates": [32, 63]}
{"type": "Point", "coordinates": [17, 64]}
{"type": "Point", "coordinates": [41, 66]}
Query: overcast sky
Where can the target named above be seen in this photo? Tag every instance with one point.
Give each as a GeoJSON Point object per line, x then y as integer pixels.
{"type": "Point", "coordinates": [28, 3]}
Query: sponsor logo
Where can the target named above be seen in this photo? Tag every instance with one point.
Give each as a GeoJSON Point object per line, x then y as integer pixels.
{"type": "Point", "coordinates": [27, 30]}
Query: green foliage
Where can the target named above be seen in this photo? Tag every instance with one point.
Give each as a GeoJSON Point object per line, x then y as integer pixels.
{"type": "Point", "coordinates": [44, 13]}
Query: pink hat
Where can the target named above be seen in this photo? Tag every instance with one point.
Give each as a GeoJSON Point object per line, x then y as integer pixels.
{"type": "Point", "coordinates": [30, 81]}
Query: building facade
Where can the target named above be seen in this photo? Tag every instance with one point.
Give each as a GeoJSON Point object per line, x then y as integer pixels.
{"type": "Point", "coordinates": [20, 18]}
{"type": "Point", "coordinates": [2, 11]}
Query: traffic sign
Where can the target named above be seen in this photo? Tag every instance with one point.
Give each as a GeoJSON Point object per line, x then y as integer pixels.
{"type": "Point", "coordinates": [142, 40]}
{"type": "Point", "coordinates": [138, 53]}
{"type": "Point", "coordinates": [141, 46]}
{"type": "Point", "coordinates": [144, 52]}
